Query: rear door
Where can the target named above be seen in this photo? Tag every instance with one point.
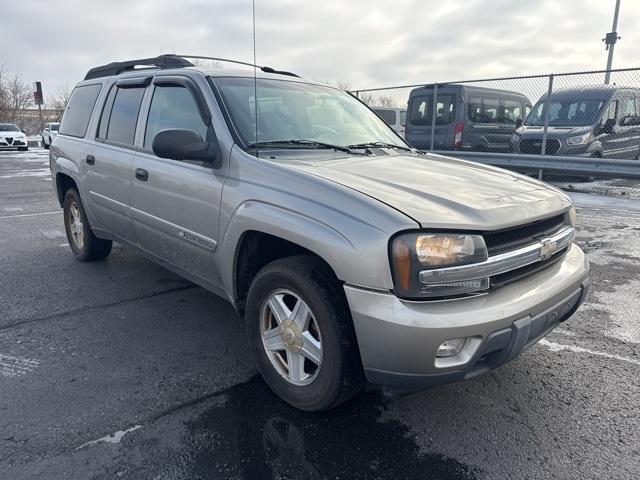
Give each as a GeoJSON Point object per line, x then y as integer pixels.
{"type": "Point", "coordinates": [420, 120]}
{"type": "Point", "coordinates": [108, 163]}
{"type": "Point", "coordinates": [175, 204]}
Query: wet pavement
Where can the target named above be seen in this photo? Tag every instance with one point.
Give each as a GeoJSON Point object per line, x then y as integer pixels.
{"type": "Point", "coordinates": [120, 369]}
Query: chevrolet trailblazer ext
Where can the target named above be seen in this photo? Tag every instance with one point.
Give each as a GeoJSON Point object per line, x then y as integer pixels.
{"type": "Point", "coordinates": [351, 256]}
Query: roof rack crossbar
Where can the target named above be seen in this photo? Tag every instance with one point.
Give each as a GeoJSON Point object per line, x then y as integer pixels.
{"type": "Point", "coordinates": [115, 68]}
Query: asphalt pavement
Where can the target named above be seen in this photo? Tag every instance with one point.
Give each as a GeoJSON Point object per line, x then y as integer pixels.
{"type": "Point", "coordinates": [121, 369]}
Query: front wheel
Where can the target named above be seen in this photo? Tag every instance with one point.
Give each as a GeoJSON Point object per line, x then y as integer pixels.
{"type": "Point", "coordinates": [84, 244]}
{"type": "Point", "coordinates": [301, 333]}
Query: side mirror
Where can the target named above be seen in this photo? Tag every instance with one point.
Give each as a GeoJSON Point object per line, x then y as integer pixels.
{"type": "Point", "coordinates": [181, 144]}
{"type": "Point", "coordinates": [518, 123]}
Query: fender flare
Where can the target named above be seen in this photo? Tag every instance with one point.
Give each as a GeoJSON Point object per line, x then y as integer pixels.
{"type": "Point", "coordinates": [293, 226]}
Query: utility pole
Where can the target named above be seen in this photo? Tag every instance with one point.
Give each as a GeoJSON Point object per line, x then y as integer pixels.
{"type": "Point", "coordinates": [610, 42]}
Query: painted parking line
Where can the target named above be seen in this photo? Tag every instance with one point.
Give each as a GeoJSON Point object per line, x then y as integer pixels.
{"type": "Point", "coordinates": [11, 366]}
{"type": "Point", "coordinates": [558, 347]}
{"type": "Point", "coordinates": [19, 215]}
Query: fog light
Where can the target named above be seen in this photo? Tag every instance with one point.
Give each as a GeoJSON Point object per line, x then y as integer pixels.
{"type": "Point", "coordinates": [452, 347]}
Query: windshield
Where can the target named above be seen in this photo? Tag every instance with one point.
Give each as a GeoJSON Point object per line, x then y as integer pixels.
{"type": "Point", "coordinates": [8, 127]}
{"type": "Point", "coordinates": [566, 113]}
{"type": "Point", "coordinates": [299, 111]}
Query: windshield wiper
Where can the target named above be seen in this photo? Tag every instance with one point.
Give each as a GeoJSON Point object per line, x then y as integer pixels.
{"type": "Point", "coordinates": [379, 145]}
{"type": "Point", "coordinates": [303, 143]}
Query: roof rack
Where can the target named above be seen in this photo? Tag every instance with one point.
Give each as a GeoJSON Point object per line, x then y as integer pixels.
{"type": "Point", "coordinates": [167, 61]}
{"type": "Point", "coordinates": [261, 68]}
{"type": "Point", "coordinates": [116, 68]}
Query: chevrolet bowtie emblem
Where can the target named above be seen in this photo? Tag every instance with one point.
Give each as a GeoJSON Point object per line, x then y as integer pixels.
{"type": "Point", "coordinates": [548, 248]}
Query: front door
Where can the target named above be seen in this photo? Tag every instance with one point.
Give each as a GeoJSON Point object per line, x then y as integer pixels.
{"type": "Point", "coordinates": [175, 204]}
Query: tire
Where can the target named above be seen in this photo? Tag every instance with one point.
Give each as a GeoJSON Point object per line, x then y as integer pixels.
{"type": "Point", "coordinates": [85, 246]}
{"type": "Point", "coordinates": [339, 374]}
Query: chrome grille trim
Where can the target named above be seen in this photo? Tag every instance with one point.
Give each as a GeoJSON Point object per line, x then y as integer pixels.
{"type": "Point", "coordinates": [540, 250]}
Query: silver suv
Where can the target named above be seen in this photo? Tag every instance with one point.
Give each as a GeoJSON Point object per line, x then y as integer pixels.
{"type": "Point", "coordinates": [351, 256]}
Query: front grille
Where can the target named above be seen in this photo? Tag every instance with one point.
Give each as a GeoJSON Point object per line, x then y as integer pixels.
{"type": "Point", "coordinates": [533, 146]}
{"type": "Point", "coordinates": [512, 238]}
{"type": "Point", "coordinates": [518, 273]}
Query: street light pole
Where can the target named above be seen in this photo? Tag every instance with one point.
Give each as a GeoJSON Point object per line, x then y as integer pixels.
{"type": "Point", "coordinates": [610, 42]}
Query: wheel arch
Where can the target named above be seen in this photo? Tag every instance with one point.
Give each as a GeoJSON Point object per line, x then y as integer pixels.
{"type": "Point", "coordinates": [260, 233]}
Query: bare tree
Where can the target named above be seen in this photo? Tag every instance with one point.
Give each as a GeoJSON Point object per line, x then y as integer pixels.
{"type": "Point", "coordinates": [366, 97]}
{"type": "Point", "coordinates": [342, 86]}
{"type": "Point", "coordinates": [18, 95]}
{"type": "Point", "coordinates": [4, 96]}
{"type": "Point", "coordinates": [387, 101]}
{"type": "Point", "coordinates": [59, 99]}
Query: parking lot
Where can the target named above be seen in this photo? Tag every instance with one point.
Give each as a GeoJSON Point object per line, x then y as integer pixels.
{"type": "Point", "coordinates": [121, 369]}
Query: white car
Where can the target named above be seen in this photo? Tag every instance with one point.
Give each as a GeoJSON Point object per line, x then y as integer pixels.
{"type": "Point", "coordinates": [11, 137]}
{"type": "Point", "coordinates": [396, 118]}
{"type": "Point", "coordinates": [49, 133]}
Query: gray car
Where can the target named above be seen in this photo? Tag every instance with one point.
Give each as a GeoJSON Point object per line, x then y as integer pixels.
{"type": "Point", "coordinates": [467, 117]}
{"type": "Point", "coordinates": [351, 256]}
{"type": "Point", "coordinates": [598, 121]}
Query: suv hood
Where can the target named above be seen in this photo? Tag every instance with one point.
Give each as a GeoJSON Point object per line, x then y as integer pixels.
{"type": "Point", "coordinates": [444, 192]}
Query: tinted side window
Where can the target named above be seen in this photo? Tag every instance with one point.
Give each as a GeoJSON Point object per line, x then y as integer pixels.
{"type": "Point", "coordinates": [389, 116]}
{"type": "Point", "coordinates": [422, 109]}
{"type": "Point", "coordinates": [79, 108]}
{"type": "Point", "coordinates": [173, 106]}
{"type": "Point", "coordinates": [627, 108]}
{"type": "Point", "coordinates": [124, 115]}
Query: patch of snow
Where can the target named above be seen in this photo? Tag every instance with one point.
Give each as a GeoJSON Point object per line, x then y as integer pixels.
{"type": "Point", "coordinates": [115, 438]}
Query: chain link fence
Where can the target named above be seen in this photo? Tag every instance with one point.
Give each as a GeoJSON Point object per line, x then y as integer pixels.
{"type": "Point", "coordinates": [588, 114]}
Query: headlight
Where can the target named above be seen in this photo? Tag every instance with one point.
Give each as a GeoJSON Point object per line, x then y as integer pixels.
{"type": "Point", "coordinates": [414, 252]}
{"type": "Point", "coordinates": [571, 216]}
{"type": "Point", "coordinates": [579, 139]}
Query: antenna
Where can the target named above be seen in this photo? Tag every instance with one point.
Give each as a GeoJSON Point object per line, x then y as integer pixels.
{"type": "Point", "coordinates": [255, 73]}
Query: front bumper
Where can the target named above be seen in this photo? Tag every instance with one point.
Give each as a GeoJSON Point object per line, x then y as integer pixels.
{"type": "Point", "coordinates": [398, 339]}
{"type": "Point", "coordinates": [13, 144]}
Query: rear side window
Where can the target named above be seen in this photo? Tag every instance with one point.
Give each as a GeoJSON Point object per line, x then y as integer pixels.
{"type": "Point", "coordinates": [494, 110]}
{"type": "Point", "coordinates": [173, 106]}
{"type": "Point", "coordinates": [389, 116]}
{"type": "Point", "coordinates": [124, 115]}
{"type": "Point", "coordinates": [422, 110]}
{"type": "Point", "coordinates": [79, 108]}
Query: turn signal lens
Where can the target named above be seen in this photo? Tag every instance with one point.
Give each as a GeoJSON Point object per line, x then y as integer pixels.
{"type": "Point", "coordinates": [402, 263]}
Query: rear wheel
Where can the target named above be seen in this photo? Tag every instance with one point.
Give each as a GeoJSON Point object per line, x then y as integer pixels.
{"type": "Point", "coordinates": [84, 244]}
{"type": "Point", "coordinates": [301, 333]}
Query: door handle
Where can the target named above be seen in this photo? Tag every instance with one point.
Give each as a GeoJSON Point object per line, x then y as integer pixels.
{"type": "Point", "coordinates": [90, 159]}
{"type": "Point", "coordinates": [142, 174]}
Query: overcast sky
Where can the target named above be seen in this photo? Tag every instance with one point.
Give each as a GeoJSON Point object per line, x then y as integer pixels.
{"type": "Point", "coordinates": [364, 43]}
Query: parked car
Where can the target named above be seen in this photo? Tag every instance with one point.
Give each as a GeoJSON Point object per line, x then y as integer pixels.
{"type": "Point", "coordinates": [12, 138]}
{"type": "Point", "coordinates": [467, 117]}
{"type": "Point", "coordinates": [599, 121]}
{"type": "Point", "coordinates": [396, 118]}
{"type": "Point", "coordinates": [351, 256]}
{"type": "Point", "coordinates": [48, 133]}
